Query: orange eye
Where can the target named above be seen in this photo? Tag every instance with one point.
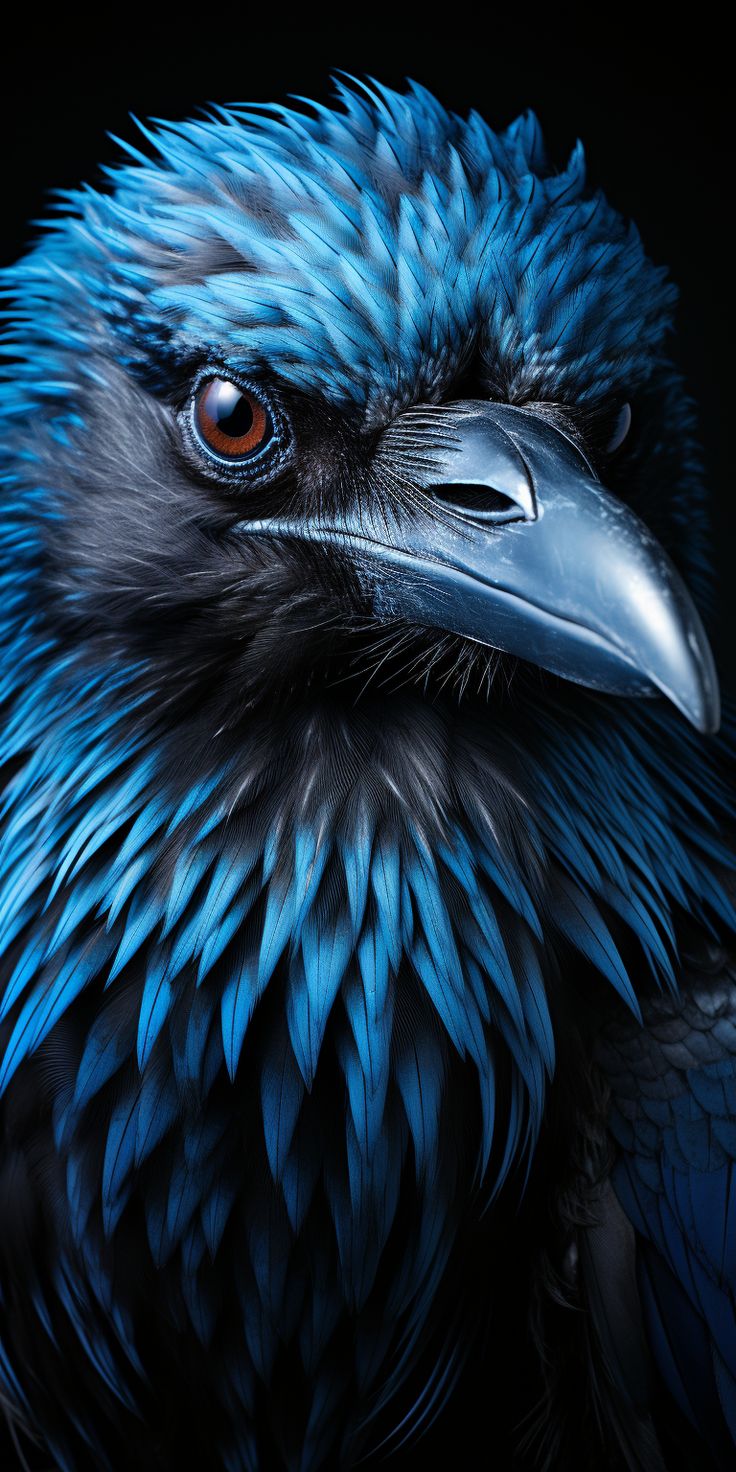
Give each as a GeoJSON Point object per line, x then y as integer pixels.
{"type": "Point", "coordinates": [231, 422]}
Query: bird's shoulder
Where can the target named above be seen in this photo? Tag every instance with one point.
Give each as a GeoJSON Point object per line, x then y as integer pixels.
{"type": "Point", "coordinates": [671, 1080]}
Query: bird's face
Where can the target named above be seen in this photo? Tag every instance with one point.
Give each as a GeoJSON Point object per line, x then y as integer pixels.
{"type": "Point", "coordinates": [354, 400]}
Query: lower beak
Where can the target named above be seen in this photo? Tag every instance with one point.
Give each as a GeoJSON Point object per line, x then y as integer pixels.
{"type": "Point", "coordinates": [510, 540]}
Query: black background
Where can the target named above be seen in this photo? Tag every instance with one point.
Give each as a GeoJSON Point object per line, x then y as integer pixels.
{"type": "Point", "coordinates": [649, 107]}
{"type": "Point", "coordinates": [651, 112]}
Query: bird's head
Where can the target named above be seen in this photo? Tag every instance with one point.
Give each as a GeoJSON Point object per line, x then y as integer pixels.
{"type": "Point", "coordinates": [327, 400]}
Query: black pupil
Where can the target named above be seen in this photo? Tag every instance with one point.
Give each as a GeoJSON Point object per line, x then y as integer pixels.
{"type": "Point", "coordinates": [229, 408]}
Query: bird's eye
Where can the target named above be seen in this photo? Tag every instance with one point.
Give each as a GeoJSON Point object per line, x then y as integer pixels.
{"type": "Point", "coordinates": [618, 429]}
{"type": "Point", "coordinates": [230, 421]}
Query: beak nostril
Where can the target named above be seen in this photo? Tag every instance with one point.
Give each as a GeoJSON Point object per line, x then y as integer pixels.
{"type": "Point", "coordinates": [480, 502]}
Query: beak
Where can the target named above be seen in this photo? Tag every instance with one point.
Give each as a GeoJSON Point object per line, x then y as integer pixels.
{"type": "Point", "coordinates": [514, 543]}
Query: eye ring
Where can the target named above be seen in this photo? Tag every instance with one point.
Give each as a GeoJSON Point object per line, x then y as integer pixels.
{"type": "Point", "coordinates": [231, 423]}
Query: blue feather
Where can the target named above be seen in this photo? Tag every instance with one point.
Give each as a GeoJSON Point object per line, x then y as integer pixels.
{"type": "Point", "coordinates": [282, 1091]}
{"type": "Point", "coordinates": [156, 1003]}
{"type": "Point", "coordinates": [106, 1049]}
{"type": "Point", "coordinates": [238, 1001]}
{"type": "Point", "coordinates": [390, 929]}
{"type": "Point", "coordinates": [385, 883]}
{"type": "Point", "coordinates": [420, 1072]}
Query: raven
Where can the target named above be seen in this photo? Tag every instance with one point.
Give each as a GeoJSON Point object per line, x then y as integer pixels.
{"type": "Point", "coordinates": [367, 1021]}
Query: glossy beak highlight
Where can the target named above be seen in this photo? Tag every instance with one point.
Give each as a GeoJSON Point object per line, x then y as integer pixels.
{"type": "Point", "coordinates": [517, 545]}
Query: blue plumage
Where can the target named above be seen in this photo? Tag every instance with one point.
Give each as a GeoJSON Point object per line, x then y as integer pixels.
{"type": "Point", "coordinates": [675, 1180]}
{"type": "Point", "coordinates": [291, 970]}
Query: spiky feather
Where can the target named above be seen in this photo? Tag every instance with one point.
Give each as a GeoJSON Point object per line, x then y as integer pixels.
{"type": "Point", "coordinates": [292, 975]}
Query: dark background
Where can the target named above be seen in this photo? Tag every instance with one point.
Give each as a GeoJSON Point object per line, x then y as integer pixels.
{"type": "Point", "coordinates": [650, 109]}
{"type": "Point", "coordinates": [651, 112]}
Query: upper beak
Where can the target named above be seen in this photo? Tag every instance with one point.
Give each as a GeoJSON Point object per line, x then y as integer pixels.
{"type": "Point", "coordinates": [521, 548]}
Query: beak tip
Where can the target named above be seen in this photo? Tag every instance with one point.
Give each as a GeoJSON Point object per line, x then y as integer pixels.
{"type": "Point", "coordinates": [706, 725]}
{"type": "Point", "coordinates": [710, 725]}
{"type": "Point", "coordinates": [702, 706]}
{"type": "Point", "coordinates": [680, 661]}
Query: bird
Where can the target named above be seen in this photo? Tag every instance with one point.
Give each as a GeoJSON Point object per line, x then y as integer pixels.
{"type": "Point", "coordinates": [367, 999]}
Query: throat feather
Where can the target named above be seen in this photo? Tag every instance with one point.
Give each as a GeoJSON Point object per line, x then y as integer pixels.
{"type": "Point", "coordinates": [306, 981]}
